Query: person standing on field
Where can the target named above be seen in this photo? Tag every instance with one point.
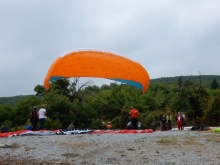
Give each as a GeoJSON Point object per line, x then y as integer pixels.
{"type": "Point", "coordinates": [169, 119]}
{"type": "Point", "coordinates": [184, 119]}
{"type": "Point", "coordinates": [179, 120]}
{"type": "Point", "coordinates": [163, 122]}
{"type": "Point", "coordinates": [42, 116]}
{"type": "Point", "coordinates": [134, 114]}
{"type": "Point", "coordinates": [34, 118]}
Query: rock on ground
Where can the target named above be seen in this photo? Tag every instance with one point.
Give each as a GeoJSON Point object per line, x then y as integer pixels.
{"type": "Point", "coordinates": [168, 147]}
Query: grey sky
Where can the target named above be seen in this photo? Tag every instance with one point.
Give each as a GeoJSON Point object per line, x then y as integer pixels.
{"type": "Point", "coordinates": [168, 38]}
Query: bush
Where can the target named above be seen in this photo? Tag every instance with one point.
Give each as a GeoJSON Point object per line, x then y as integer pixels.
{"type": "Point", "coordinates": [48, 124]}
{"type": "Point", "coordinates": [97, 124]}
{"type": "Point", "coordinates": [56, 124]}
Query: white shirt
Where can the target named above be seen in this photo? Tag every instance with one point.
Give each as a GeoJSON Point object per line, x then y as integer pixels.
{"type": "Point", "coordinates": [42, 113]}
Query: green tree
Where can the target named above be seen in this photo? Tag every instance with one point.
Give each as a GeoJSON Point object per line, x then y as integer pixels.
{"type": "Point", "coordinates": [214, 84]}
{"type": "Point", "coordinates": [213, 113]}
{"type": "Point", "coordinates": [40, 90]}
{"type": "Point", "coordinates": [59, 108]}
{"type": "Point", "coordinates": [6, 113]}
{"type": "Point", "coordinates": [61, 86]}
{"type": "Point", "coordinates": [23, 109]}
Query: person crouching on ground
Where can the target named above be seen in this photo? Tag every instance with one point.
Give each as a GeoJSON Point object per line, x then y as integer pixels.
{"type": "Point", "coordinates": [109, 126]}
{"type": "Point", "coordinates": [4, 129]}
{"type": "Point", "coordinates": [71, 126]}
{"type": "Point", "coordinates": [154, 125]}
{"type": "Point", "coordinates": [28, 127]}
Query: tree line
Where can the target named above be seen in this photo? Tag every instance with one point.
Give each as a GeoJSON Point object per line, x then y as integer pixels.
{"type": "Point", "coordinates": [88, 106]}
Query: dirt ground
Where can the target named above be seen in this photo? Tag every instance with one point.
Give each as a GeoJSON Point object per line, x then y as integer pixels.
{"type": "Point", "coordinates": [167, 147]}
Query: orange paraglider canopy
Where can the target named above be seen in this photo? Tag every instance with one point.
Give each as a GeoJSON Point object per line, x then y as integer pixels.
{"type": "Point", "coordinates": [91, 63]}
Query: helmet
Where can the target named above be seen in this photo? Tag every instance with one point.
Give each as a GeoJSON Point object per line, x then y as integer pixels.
{"type": "Point", "coordinates": [34, 107]}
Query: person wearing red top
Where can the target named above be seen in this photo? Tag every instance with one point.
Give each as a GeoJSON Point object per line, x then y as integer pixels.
{"type": "Point", "coordinates": [134, 114]}
{"type": "Point", "coordinates": [179, 120]}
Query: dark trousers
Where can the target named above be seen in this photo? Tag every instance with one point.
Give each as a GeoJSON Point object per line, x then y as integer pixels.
{"type": "Point", "coordinates": [34, 126]}
{"type": "Point", "coordinates": [134, 123]}
{"type": "Point", "coordinates": [163, 128]}
{"type": "Point", "coordinates": [154, 127]}
{"type": "Point", "coordinates": [169, 124]}
{"type": "Point", "coordinates": [42, 123]}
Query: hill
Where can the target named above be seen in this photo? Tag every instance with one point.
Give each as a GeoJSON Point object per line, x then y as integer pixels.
{"type": "Point", "coordinates": [13, 99]}
{"type": "Point", "coordinates": [205, 80]}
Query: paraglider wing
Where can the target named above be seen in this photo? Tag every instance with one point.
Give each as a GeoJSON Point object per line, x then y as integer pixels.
{"type": "Point", "coordinates": [90, 63]}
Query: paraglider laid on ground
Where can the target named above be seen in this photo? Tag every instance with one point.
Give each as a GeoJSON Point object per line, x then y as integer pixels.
{"type": "Point", "coordinates": [89, 131]}
{"type": "Point", "coordinates": [70, 132]}
{"type": "Point", "coordinates": [195, 128]}
{"type": "Point", "coordinates": [99, 64]}
{"type": "Point", "coordinates": [216, 129]}
{"type": "Point", "coordinates": [200, 127]}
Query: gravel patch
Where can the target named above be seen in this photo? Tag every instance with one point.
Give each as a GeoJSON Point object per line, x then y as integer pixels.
{"type": "Point", "coordinates": [167, 147]}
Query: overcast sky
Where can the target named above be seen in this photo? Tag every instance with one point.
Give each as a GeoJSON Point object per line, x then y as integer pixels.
{"type": "Point", "coordinates": [167, 37]}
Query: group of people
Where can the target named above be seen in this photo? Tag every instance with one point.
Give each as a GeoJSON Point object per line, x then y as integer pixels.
{"type": "Point", "coordinates": [35, 116]}
{"type": "Point", "coordinates": [166, 121]}
{"type": "Point", "coordinates": [133, 124]}
{"type": "Point", "coordinates": [38, 116]}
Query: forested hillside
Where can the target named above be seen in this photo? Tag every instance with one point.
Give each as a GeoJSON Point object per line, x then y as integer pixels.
{"type": "Point", "coordinates": [205, 79]}
{"type": "Point", "coordinates": [13, 100]}
{"type": "Point", "coordinates": [89, 106]}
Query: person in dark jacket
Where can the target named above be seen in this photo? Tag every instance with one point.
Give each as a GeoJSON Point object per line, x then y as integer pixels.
{"type": "Point", "coordinates": [163, 121]}
{"type": "Point", "coordinates": [154, 125]}
{"type": "Point", "coordinates": [34, 118]}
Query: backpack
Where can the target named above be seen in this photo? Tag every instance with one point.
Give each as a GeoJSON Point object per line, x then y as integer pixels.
{"type": "Point", "coordinates": [34, 116]}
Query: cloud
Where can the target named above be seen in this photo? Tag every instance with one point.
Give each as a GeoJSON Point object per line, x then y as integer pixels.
{"type": "Point", "coordinates": [169, 38]}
